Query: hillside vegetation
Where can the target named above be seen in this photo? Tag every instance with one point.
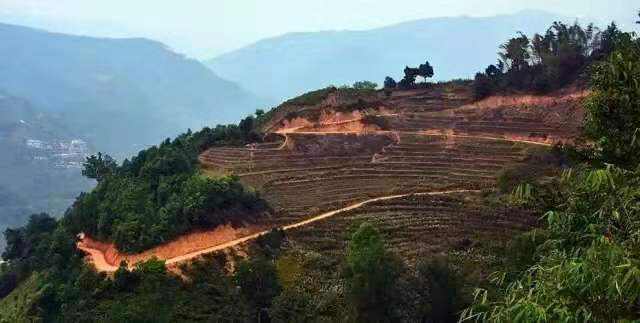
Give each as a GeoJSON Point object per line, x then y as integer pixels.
{"type": "Point", "coordinates": [160, 194]}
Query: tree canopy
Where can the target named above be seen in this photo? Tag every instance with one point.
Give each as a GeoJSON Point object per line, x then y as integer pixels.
{"type": "Point", "coordinates": [546, 61]}
{"type": "Point", "coordinates": [390, 83]}
{"type": "Point", "coordinates": [613, 109]}
{"type": "Point", "coordinates": [371, 276]}
{"type": "Point", "coordinates": [98, 167]}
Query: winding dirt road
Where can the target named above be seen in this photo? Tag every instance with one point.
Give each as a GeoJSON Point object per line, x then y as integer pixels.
{"type": "Point", "coordinates": [97, 257]}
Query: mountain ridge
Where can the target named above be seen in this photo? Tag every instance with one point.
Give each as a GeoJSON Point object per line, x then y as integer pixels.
{"type": "Point", "coordinates": [121, 79]}
{"type": "Point", "coordinates": [294, 63]}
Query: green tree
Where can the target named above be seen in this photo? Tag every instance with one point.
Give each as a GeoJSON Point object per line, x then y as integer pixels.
{"type": "Point", "coordinates": [613, 108]}
{"type": "Point", "coordinates": [410, 74]}
{"type": "Point", "coordinates": [31, 240]}
{"type": "Point", "coordinates": [588, 269]}
{"type": "Point", "coordinates": [515, 53]}
{"type": "Point", "coordinates": [482, 86]}
{"type": "Point", "coordinates": [440, 290]}
{"type": "Point", "coordinates": [99, 167]}
{"type": "Point", "coordinates": [258, 282]}
{"type": "Point", "coordinates": [371, 275]}
{"type": "Point", "coordinates": [210, 294]}
{"type": "Point", "coordinates": [389, 83]}
{"type": "Point", "coordinates": [425, 70]}
{"type": "Point", "coordinates": [293, 305]}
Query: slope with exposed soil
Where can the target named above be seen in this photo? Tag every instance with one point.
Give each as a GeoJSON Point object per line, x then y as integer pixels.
{"type": "Point", "coordinates": [440, 109]}
{"type": "Point", "coordinates": [434, 142]}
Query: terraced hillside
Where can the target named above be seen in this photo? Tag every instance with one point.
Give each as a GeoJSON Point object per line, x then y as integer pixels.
{"type": "Point", "coordinates": [426, 140]}
{"type": "Point", "coordinates": [417, 170]}
{"type": "Point", "coordinates": [418, 225]}
{"type": "Point", "coordinates": [299, 184]}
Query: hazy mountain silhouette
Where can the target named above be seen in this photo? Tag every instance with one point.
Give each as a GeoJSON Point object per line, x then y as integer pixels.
{"type": "Point", "coordinates": [291, 64]}
{"type": "Point", "coordinates": [120, 94]}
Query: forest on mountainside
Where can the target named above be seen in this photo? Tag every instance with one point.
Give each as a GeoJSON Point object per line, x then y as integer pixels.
{"type": "Point", "coordinates": [161, 192]}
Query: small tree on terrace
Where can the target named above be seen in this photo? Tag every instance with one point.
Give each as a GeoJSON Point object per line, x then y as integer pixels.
{"type": "Point", "coordinates": [389, 83]}
{"type": "Point", "coordinates": [410, 75]}
{"type": "Point", "coordinates": [425, 70]}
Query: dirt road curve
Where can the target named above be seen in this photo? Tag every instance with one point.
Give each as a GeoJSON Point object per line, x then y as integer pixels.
{"type": "Point", "coordinates": [97, 258]}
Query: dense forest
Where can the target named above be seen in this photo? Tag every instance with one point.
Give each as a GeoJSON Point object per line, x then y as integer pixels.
{"type": "Point", "coordinates": [581, 265]}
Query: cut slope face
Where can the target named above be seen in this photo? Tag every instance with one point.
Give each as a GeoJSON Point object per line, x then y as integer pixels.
{"type": "Point", "coordinates": [106, 256]}
{"type": "Point", "coordinates": [440, 109]}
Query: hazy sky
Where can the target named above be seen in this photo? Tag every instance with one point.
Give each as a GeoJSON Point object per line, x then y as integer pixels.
{"type": "Point", "coordinates": [204, 29]}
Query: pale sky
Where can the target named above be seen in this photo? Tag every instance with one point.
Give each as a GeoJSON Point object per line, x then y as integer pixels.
{"type": "Point", "coordinates": [204, 29]}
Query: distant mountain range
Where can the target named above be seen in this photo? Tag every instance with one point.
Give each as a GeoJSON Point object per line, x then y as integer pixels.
{"type": "Point", "coordinates": [119, 94]}
{"type": "Point", "coordinates": [285, 66]}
